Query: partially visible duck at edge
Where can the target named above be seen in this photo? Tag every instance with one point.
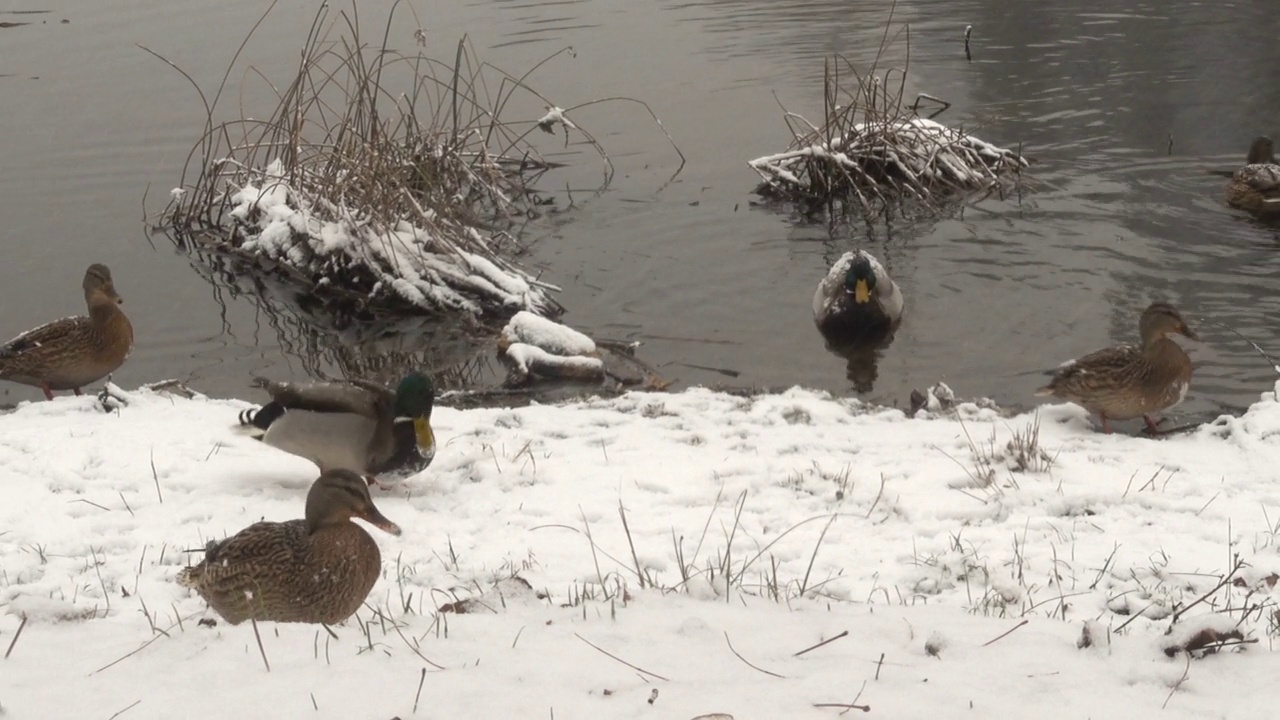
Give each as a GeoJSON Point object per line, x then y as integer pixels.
{"type": "Point", "coordinates": [1123, 382]}
{"type": "Point", "coordinates": [1256, 186]}
{"type": "Point", "coordinates": [70, 353]}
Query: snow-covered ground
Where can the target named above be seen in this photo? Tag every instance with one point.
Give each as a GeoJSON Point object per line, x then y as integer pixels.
{"type": "Point", "coordinates": [946, 585]}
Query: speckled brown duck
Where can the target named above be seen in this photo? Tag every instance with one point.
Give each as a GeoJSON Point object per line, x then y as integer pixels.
{"type": "Point", "coordinates": [316, 570]}
{"type": "Point", "coordinates": [1126, 381]}
{"type": "Point", "coordinates": [1256, 186]}
{"type": "Point", "coordinates": [70, 353]}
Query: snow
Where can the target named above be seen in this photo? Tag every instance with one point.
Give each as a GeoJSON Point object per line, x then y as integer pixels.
{"type": "Point", "coordinates": [526, 327]}
{"type": "Point", "coordinates": [952, 569]}
{"type": "Point", "coordinates": [917, 147]}
{"type": "Point", "coordinates": [284, 223]}
{"type": "Point", "coordinates": [524, 360]}
{"type": "Point", "coordinates": [555, 116]}
{"type": "Point", "coordinates": [534, 345]}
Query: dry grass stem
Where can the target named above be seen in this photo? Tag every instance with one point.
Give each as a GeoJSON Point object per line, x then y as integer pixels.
{"type": "Point", "coordinates": [748, 662]}
{"type": "Point", "coordinates": [16, 635]}
{"type": "Point", "coordinates": [422, 678]}
{"type": "Point", "coordinates": [125, 710]}
{"type": "Point", "coordinates": [261, 649]}
{"type": "Point", "coordinates": [624, 662]}
{"type": "Point", "coordinates": [1006, 633]}
{"type": "Point", "coordinates": [833, 638]}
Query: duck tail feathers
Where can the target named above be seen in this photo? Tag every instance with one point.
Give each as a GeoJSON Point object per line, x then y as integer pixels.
{"type": "Point", "coordinates": [261, 418]}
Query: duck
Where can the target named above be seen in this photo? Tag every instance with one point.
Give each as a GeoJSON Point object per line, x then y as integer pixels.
{"type": "Point", "coordinates": [1124, 382]}
{"type": "Point", "coordinates": [1256, 186]}
{"type": "Point", "coordinates": [70, 353]}
{"type": "Point", "coordinates": [357, 425]}
{"type": "Point", "coordinates": [857, 302]}
{"type": "Point", "coordinates": [318, 569]}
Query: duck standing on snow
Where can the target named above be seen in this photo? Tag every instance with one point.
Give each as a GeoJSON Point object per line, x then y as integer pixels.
{"type": "Point", "coordinates": [316, 570]}
{"type": "Point", "coordinates": [1256, 186]}
{"type": "Point", "coordinates": [70, 353]}
{"type": "Point", "coordinates": [1125, 381]}
{"type": "Point", "coordinates": [357, 425]}
{"type": "Point", "coordinates": [857, 302]}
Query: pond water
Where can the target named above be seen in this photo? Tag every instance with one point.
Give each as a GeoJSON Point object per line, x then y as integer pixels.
{"type": "Point", "coordinates": [1122, 106]}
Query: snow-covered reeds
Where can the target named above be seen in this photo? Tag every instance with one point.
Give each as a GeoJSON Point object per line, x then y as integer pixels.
{"type": "Point", "coordinates": [381, 181]}
{"type": "Point", "coordinates": [872, 148]}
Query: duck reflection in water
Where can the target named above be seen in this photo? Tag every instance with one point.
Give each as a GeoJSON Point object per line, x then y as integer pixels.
{"type": "Point", "coordinates": [857, 308]}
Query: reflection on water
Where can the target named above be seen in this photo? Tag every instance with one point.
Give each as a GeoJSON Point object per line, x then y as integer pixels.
{"type": "Point", "coordinates": [335, 346]}
{"type": "Point", "coordinates": [1123, 107]}
{"type": "Point", "coordinates": [860, 365]}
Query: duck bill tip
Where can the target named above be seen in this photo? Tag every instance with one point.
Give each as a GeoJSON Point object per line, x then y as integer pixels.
{"type": "Point", "coordinates": [426, 438]}
{"type": "Point", "coordinates": [381, 522]}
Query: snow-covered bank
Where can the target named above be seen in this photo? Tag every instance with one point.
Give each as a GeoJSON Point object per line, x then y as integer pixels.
{"type": "Point", "coordinates": [827, 515]}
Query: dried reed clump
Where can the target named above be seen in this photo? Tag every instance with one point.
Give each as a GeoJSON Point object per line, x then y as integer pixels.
{"type": "Point", "coordinates": [377, 180]}
{"type": "Point", "coordinates": [873, 150]}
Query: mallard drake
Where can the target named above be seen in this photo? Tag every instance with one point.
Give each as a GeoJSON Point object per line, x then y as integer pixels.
{"type": "Point", "coordinates": [1256, 186]}
{"type": "Point", "coordinates": [1126, 381]}
{"type": "Point", "coordinates": [358, 425]}
{"type": "Point", "coordinates": [70, 353]}
{"type": "Point", "coordinates": [857, 302]}
{"type": "Point", "coordinates": [316, 570]}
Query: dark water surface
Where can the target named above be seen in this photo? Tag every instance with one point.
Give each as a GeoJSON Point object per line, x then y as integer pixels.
{"type": "Point", "coordinates": [1093, 89]}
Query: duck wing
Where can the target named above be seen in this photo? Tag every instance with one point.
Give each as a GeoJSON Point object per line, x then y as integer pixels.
{"type": "Point", "coordinates": [364, 398]}
{"type": "Point", "coordinates": [831, 288]}
{"type": "Point", "coordinates": [1263, 177]}
{"type": "Point", "coordinates": [45, 337]}
{"type": "Point", "coordinates": [1098, 369]}
{"type": "Point", "coordinates": [243, 555]}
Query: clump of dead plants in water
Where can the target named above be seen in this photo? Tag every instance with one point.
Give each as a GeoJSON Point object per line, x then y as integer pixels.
{"type": "Point", "coordinates": [873, 150]}
{"type": "Point", "coordinates": [383, 179]}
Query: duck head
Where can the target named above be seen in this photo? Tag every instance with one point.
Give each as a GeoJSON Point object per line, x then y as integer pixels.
{"type": "Point", "coordinates": [415, 396]}
{"type": "Point", "coordinates": [1262, 150]}
{"type": "Point", "coordinates": [860, 280]}
{"type": "Point", "coordinates": [339, 495]}
{"type": "Point", "coordinates": [98, 285]}
{"type": "Point", "coordinates": [1162, 319]}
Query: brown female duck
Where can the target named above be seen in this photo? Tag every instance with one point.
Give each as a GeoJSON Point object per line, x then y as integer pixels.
{"type": "Point", "coordinates": [1124, 381]}
{"type": "Point", "coordinates": [70, 353]}
{"type": "Point", "coordinates": [317, 570]}
{"type": "Point", "coordinates": [1256, 186]}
